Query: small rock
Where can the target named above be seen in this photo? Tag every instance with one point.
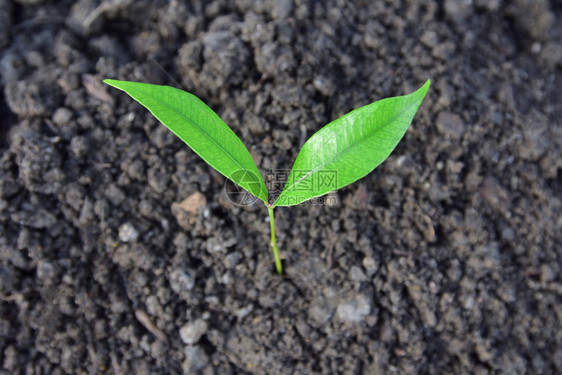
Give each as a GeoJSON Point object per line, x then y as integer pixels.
{"type": "Point", "coordinates": [79, 146]}
{"type": "Point", "coordinates": [324, 85]}
{"type": "Point", "coordinates": [257, 125]}
{"type": "Point", "coordinates": [162, 137]}
{"type": "Point", "coordinates": [357, 275]}
{"type": "Point", "coordinates": [8, 187]}
{"type": "Point", "coordinates": [283, 9]}
{"type": "Point", "coordinates": [192, 203]}
{"type": "Point", "coordinates": [191, 332]}
{"type": "Point", "coordinates": [226, 60]}
{"type": "Point", "coordinates": [186, 210]}
{"type": "Point", "coordinates": [136, 170]}
{"type": "Point", "coordinates": [73, 195]}
{"type": "Point", "coordinates": [551, 54]}
{"type": "Point", "coordinates": [360, 199]}
{"type": "Point", "coordinates": [68, 82]}
{"type": "Point", "coordinates": [320, 313]}
{"type": "Point", "coordinates": [115, 194]}
{"type": "Point", "coordinates": [425, 225]}
{"type": "Point", "coordinates": [181, 282]}
{"type": "Point", "coordinates": [467, 301]}
{"type": "Point", "coordinates": [428, 316]}
{"type": "Point", "coordinates": [38, 219]}
{"type": "Point", "coordinates": [454, 272]}
{"type": "Point", "coordinates": [458, 10]}
{"type": "Point", "coordinates": [244, 312]}
{"type": "Point", "coordinates": [429, 38]}
{"type": "Point", "coordinates": [195, 360]}
{"type": "Point", "coordinates": [145, 208]}
{"type": "Point", "coordinates": [102, 208]}
{"type": "Point", "coordinates": [494, 194]}
{"type": "Point", "coordinates": [28, 99]}
{"type": "Point", "coordinates": [508, 234]}
{"type": "Point", "coordinates": [158, 180]}
{"type": "Point", "coordinates": [482, 349]}
{"type": "Point", "coordinates": [181, 242]}
{"type": "Point", "coordinates": [548, 273]}
{"type": "Point", "coordinates": [214, 245]}
{"type": "Point", "coordinates": [450, 124]}
{"type": "Point", "coordinates": [370, 265]}
{"type": "Point", "coordinates": [128, 233]}
{"type": "Point", "coordinates": [46, 272]}
{"type": "Point", "coordinates": [532, 17]}
{"type": "Point", "coordinates": [232, 259]}
{"type": "Point", "coordinates": [11, 67]}
{"type": "Point", "coordinates": [10, 359]}
{"type": "Point", "coordinates": [507, 293]}
{"type": "Point", "coordinates": [354, 310]}
{"type": "Point", "coordinates": [62, 116]}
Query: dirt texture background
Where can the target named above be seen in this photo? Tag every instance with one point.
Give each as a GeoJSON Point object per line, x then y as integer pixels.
{"type": "Point", "coordinates": [121, 254]}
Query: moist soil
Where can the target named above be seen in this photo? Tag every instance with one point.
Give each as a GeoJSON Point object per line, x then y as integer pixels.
{"type": "Point", "coordinates": [121, 253]}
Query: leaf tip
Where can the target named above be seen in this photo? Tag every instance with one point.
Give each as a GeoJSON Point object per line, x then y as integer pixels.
{"type": "Point", "coordinates": [110, 82]}
{"type": "Point", "coordinates": [423, 90]}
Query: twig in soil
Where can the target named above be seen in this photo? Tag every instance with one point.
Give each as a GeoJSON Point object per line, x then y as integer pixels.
{"type": "Point", "coordinates": [144, 319]}
{"type": "Point", "coordinates": [102, 165]}
{"type": "Point", "coordinates": [93, 16]}
{"type": "Point", "coordinates": [232, 360]}
{"type": "Point", "coordinates": [11, 297]}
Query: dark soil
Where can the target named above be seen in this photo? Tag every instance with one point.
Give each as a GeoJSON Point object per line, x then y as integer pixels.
{"type": "Point", "coordinates": [447, 259]}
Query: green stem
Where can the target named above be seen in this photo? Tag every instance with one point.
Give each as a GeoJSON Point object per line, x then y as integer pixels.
{"type": "Point", "coordinates": [274, 242]}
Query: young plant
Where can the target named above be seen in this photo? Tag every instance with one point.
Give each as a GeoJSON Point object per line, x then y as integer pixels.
{"type": "Point", "coordinates": [337, 155]}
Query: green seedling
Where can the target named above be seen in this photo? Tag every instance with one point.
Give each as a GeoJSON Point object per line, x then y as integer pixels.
{"type": "Point", "coordinates": [337, 155]}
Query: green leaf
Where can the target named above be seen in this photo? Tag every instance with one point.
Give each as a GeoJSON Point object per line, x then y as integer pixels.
{"type": "Point", "coordinates": [201, 129]}
{"type": "Point", "coordinates": [350, 147]}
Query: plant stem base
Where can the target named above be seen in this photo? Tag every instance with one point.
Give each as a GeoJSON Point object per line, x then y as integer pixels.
{"type": "Point", "coordinates": [278, 264]}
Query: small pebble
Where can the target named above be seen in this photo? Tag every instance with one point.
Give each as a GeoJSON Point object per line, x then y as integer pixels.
{"type": "Point", "coordinates": [191, 332]}
{"type": "Point", "coordinates": [128, 233]}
